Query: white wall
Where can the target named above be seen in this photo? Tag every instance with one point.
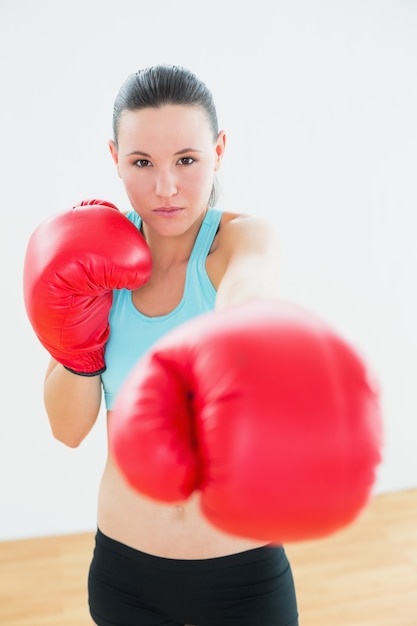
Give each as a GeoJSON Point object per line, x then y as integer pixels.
{"type": "Point", "coordinates": [319, 100]}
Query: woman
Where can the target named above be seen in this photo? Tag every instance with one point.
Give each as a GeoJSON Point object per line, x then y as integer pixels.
{"type": "Point", "coordinates": [154, 563]}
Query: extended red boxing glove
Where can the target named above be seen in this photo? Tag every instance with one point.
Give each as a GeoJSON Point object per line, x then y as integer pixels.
{"type": "Point", "coordinates": [73, 262]}
{"type": "Point", "coordinates": [265, 410]}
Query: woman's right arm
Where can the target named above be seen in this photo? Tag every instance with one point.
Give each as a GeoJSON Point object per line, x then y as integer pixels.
{"type": "Point", "coordinates": [72, 403]}
{"type": "Point", "coordinates": [68, 280]}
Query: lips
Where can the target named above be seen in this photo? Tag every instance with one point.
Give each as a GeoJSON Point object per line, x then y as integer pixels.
{"type": "Point", "coordinates": [168, 211]}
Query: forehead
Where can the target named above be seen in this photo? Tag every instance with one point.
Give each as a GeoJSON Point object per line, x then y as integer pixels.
{"type": "Point", "coordinates": [175, 123]}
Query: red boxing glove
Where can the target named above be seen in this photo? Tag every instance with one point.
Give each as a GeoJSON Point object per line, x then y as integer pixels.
{"type": "Point", "coordinates": [73, 262]}
{"type": "Point", "coordinates": [265, 410]}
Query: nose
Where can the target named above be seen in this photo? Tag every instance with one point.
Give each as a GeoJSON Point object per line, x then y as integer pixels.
{"type": "Point", "coordinates": [165, 183]}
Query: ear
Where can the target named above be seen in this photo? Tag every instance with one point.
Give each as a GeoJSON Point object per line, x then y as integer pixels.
{"type": "Point", "coordinates": [114, 153]}
{"type": "Point", "coordinates": [220, 148]}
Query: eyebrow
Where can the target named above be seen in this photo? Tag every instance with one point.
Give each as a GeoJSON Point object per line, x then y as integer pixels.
{"type": "Point", "coordinates": [145, 154]}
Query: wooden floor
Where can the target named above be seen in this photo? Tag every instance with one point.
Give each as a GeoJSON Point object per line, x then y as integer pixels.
{"type": "Point", "coordinates": [365, 575]}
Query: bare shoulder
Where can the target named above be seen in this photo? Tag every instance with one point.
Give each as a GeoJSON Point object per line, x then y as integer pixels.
{"type": "Point", "coordinates": [237, 219]}
{"type": "Point", "coordinates": [240, 236]}
{"type": "Point", "coordinates": [240, 230]}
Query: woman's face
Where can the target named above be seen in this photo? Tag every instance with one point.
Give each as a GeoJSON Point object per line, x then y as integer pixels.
{"type": "Point", "coordinates": [167, 158]}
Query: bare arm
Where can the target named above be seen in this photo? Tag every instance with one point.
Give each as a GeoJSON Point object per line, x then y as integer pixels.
{"type": "Point", "coordinates": [250, 251]}
{"type": "Point", "coordinates": [72, 403]}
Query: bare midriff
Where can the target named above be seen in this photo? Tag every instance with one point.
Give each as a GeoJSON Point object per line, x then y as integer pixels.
{"type": "Point", "coordinates": [176, 530]}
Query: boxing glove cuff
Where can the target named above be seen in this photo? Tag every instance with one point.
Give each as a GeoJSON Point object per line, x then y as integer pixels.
{"type": "Point", "coordinates": [103, 369]}
{"type": "Point", "coordinates": [87, 364]}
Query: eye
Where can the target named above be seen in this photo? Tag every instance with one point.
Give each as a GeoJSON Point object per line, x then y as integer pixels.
{"type": "Point", "coordinates": [143, 163]}
{"type": "Point", "coordinates": [186, 161]}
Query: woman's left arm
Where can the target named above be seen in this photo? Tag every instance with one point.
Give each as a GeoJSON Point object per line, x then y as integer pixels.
{"type": "Point", "coordinates": [250, 251]}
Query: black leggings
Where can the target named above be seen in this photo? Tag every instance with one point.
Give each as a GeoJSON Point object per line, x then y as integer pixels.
{"type": "Point", "coordinates": [132, 588]}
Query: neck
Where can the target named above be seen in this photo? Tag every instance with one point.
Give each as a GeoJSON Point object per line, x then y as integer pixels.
{"type": "Point", "coordinates": [168, 251]}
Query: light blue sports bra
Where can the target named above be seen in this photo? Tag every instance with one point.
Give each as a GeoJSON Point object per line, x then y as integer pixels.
{"type": "Point", "coordinates": [132, 333]}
